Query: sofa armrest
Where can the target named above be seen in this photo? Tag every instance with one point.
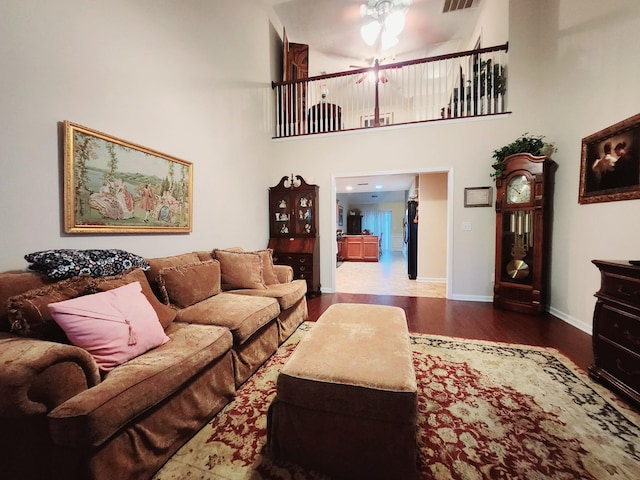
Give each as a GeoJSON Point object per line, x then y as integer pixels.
{"type": "Point", "coordinates": [284, 273]}
{"type": "Point", "coordinates": [37, 375]}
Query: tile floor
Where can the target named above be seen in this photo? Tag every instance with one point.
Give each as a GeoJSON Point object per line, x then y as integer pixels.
{"type": "Point", "coordinates": [386, 277]}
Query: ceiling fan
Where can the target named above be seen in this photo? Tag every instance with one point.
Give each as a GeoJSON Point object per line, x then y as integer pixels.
{"type": "Point", "coordinates": [382, 77]}
{"type": "Point", "coordinates": [383, 22]}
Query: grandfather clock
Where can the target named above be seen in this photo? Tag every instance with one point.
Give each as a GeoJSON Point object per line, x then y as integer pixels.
{"type": "Point", "coordinates": [524, 204]}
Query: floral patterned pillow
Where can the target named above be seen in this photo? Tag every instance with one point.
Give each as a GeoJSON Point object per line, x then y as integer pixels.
{"type": "Point", "coordinates": [66, 263]}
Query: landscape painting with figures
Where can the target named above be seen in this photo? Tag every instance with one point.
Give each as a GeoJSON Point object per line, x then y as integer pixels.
{"type": "Point", "coordinates": [113, 186]}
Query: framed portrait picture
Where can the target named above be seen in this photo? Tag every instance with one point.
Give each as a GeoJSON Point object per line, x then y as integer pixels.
{"type": "Point", "coordinates": [477, 197]}
{"type": "Point", "coordinates": [367, 121]}
{"type": "Point", "coordinates": [610, 163]}
{"type": "Point", "coordinates": [115, 186]}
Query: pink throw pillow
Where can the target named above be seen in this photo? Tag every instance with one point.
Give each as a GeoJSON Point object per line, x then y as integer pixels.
{"type": "Point", "coordinates": [113, 326]}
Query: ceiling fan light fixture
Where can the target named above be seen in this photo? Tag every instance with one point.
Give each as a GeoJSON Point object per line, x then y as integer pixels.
{"type": "Point", "coordinates": [394, 23]}
{"type": "Point", "coordinates": [370, 32]}
{"type": "Point", "coordinates": [384, 20]}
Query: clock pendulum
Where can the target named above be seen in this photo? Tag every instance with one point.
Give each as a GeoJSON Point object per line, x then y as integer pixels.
{"type": "Point", "coordinates": [520, 227]}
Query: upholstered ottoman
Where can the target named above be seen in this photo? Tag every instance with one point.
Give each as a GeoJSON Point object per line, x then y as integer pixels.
{"type": "Point", "coordinates": [346, 399]}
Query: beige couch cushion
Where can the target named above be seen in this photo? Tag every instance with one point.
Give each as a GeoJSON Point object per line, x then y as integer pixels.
{"type": "Point", "coordinates": [90, 418]}
{"type": "Point", "coordinates": [284, 273]}
{"type": "Point", "coordinates": [241, 269]}
{"type": "Point", "coordinates": [14, 283]}
{"type": "Point", "coordinates": [184, 285]}
{"type": "Point", "coordinates": [29, 315]}
{"type": "Point", "coordinates": [234, 312]}
{"type": "Point", "coordinates": [157, 264]}
{"type": "Point", "coordinates": [287, 294]}
{"type": "Point", "coordinates": [205, 255]}
{"type": "Point", "coordinates": [268, 272]}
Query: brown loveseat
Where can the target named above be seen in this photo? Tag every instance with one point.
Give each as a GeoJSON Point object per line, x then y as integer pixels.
{"type": "Point", "coordinates": [63, 417]}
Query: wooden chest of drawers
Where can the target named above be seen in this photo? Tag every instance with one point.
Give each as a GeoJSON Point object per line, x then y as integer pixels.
{"type": "Point", "coordinates": [616, 328]}
{"type": "Point", "coordinates": [301, 254]}
{"type": "Point", "coordinates": [302, 264]}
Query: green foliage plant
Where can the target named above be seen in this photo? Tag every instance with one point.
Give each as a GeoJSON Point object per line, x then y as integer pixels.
{"type": "Point", "coordinates": [526, 143]}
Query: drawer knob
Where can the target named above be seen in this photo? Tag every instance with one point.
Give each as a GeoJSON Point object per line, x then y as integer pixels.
{"type": "Point", "coordinates": [634, 339]}
{"type": "Point", "coordinates": [627, 293]}
{"type": "Point", "coordinates": [624, 370]}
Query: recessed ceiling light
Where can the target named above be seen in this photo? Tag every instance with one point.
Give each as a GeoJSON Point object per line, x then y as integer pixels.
{"type": "Point", "coordinates": [349, 187]}
{"type": "Point", "coordinates": [378, 186]}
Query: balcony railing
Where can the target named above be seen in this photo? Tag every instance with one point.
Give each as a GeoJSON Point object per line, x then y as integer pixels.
{"type": "Point", "coordinates": [465, 84]}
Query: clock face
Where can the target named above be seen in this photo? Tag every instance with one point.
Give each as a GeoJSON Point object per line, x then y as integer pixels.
{"type": "Point", "coordinates": [519, 190]}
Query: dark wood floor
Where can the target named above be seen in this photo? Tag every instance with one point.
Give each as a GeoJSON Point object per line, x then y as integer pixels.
{"type": "Point", "coordinates": [475, 320]}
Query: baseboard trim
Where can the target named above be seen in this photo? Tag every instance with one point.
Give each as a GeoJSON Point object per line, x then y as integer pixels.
{"type": "Point", "coordinates": [571, 320]}
{"type": "Point", "coordinates": [470, 298]}
{"type": "Point", "coordinates": [431, 280]}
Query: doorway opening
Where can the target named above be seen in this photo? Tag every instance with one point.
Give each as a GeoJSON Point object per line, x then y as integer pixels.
{"type": "Point", "coordinates": [383, 214]}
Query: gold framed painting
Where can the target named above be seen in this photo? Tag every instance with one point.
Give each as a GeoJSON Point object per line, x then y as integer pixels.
{"type": "Point", "coordinates": [610, 163]}
{"type": "Point", "coordinates": [115, 186]}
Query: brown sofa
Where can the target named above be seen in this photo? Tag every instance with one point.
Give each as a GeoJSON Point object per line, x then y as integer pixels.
{"type": "Point", "coordinates": [62, 417]}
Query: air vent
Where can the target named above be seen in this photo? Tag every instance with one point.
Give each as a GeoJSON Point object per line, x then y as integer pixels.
{"type": "Point", "coordinates": [452, 5]}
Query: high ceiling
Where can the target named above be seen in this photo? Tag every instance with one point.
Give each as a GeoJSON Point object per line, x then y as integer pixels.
{"type": "Point", "coordinates": [331, 28]}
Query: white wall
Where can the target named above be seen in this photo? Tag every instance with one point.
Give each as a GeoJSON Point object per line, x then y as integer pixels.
{"type": "Point", "coordinates": [463, 146]}
{"type": "Point", "coordinates": [589, 81]}
{"type": "Point", "coordinates": [573, 66]}
{"type": "Point", "coordinates": [190, 79]}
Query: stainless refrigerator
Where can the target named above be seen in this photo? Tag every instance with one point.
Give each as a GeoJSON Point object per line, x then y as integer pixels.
{"type": "Point", "coordinates": [412, 239]}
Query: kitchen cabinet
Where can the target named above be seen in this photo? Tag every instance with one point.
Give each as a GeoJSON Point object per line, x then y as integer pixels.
{"type": "Point", "coordinates": [364, 248]}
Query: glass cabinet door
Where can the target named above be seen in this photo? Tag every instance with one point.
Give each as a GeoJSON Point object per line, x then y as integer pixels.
{"type": "Point", "coordinates": [281, 215]}
{"type": "Point", "coordinates": [305, 213]}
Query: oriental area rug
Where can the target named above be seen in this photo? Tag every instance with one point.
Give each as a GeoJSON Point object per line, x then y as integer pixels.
{"type": "Point", "coordinates": [485, 411]}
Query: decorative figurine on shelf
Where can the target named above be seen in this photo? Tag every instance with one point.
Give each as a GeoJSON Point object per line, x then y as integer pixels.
{"type": "Point", "coordinates": [303, 202]}
{"type": "Point", "coordinates": [282, 204]}
{"type": "Point", "coordinates": [284, 229]}
{"type": "Point", "coordinates": [307, 228]}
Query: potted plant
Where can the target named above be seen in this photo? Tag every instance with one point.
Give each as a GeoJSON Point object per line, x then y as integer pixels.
{"type": "Point", "coordinates": [492, 79]}
{"type": "Point", "coordinates": [533, 144]}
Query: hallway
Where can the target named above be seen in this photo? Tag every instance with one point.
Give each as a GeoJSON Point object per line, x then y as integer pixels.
{"type": "Point", "coordinates": [387, 277]}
